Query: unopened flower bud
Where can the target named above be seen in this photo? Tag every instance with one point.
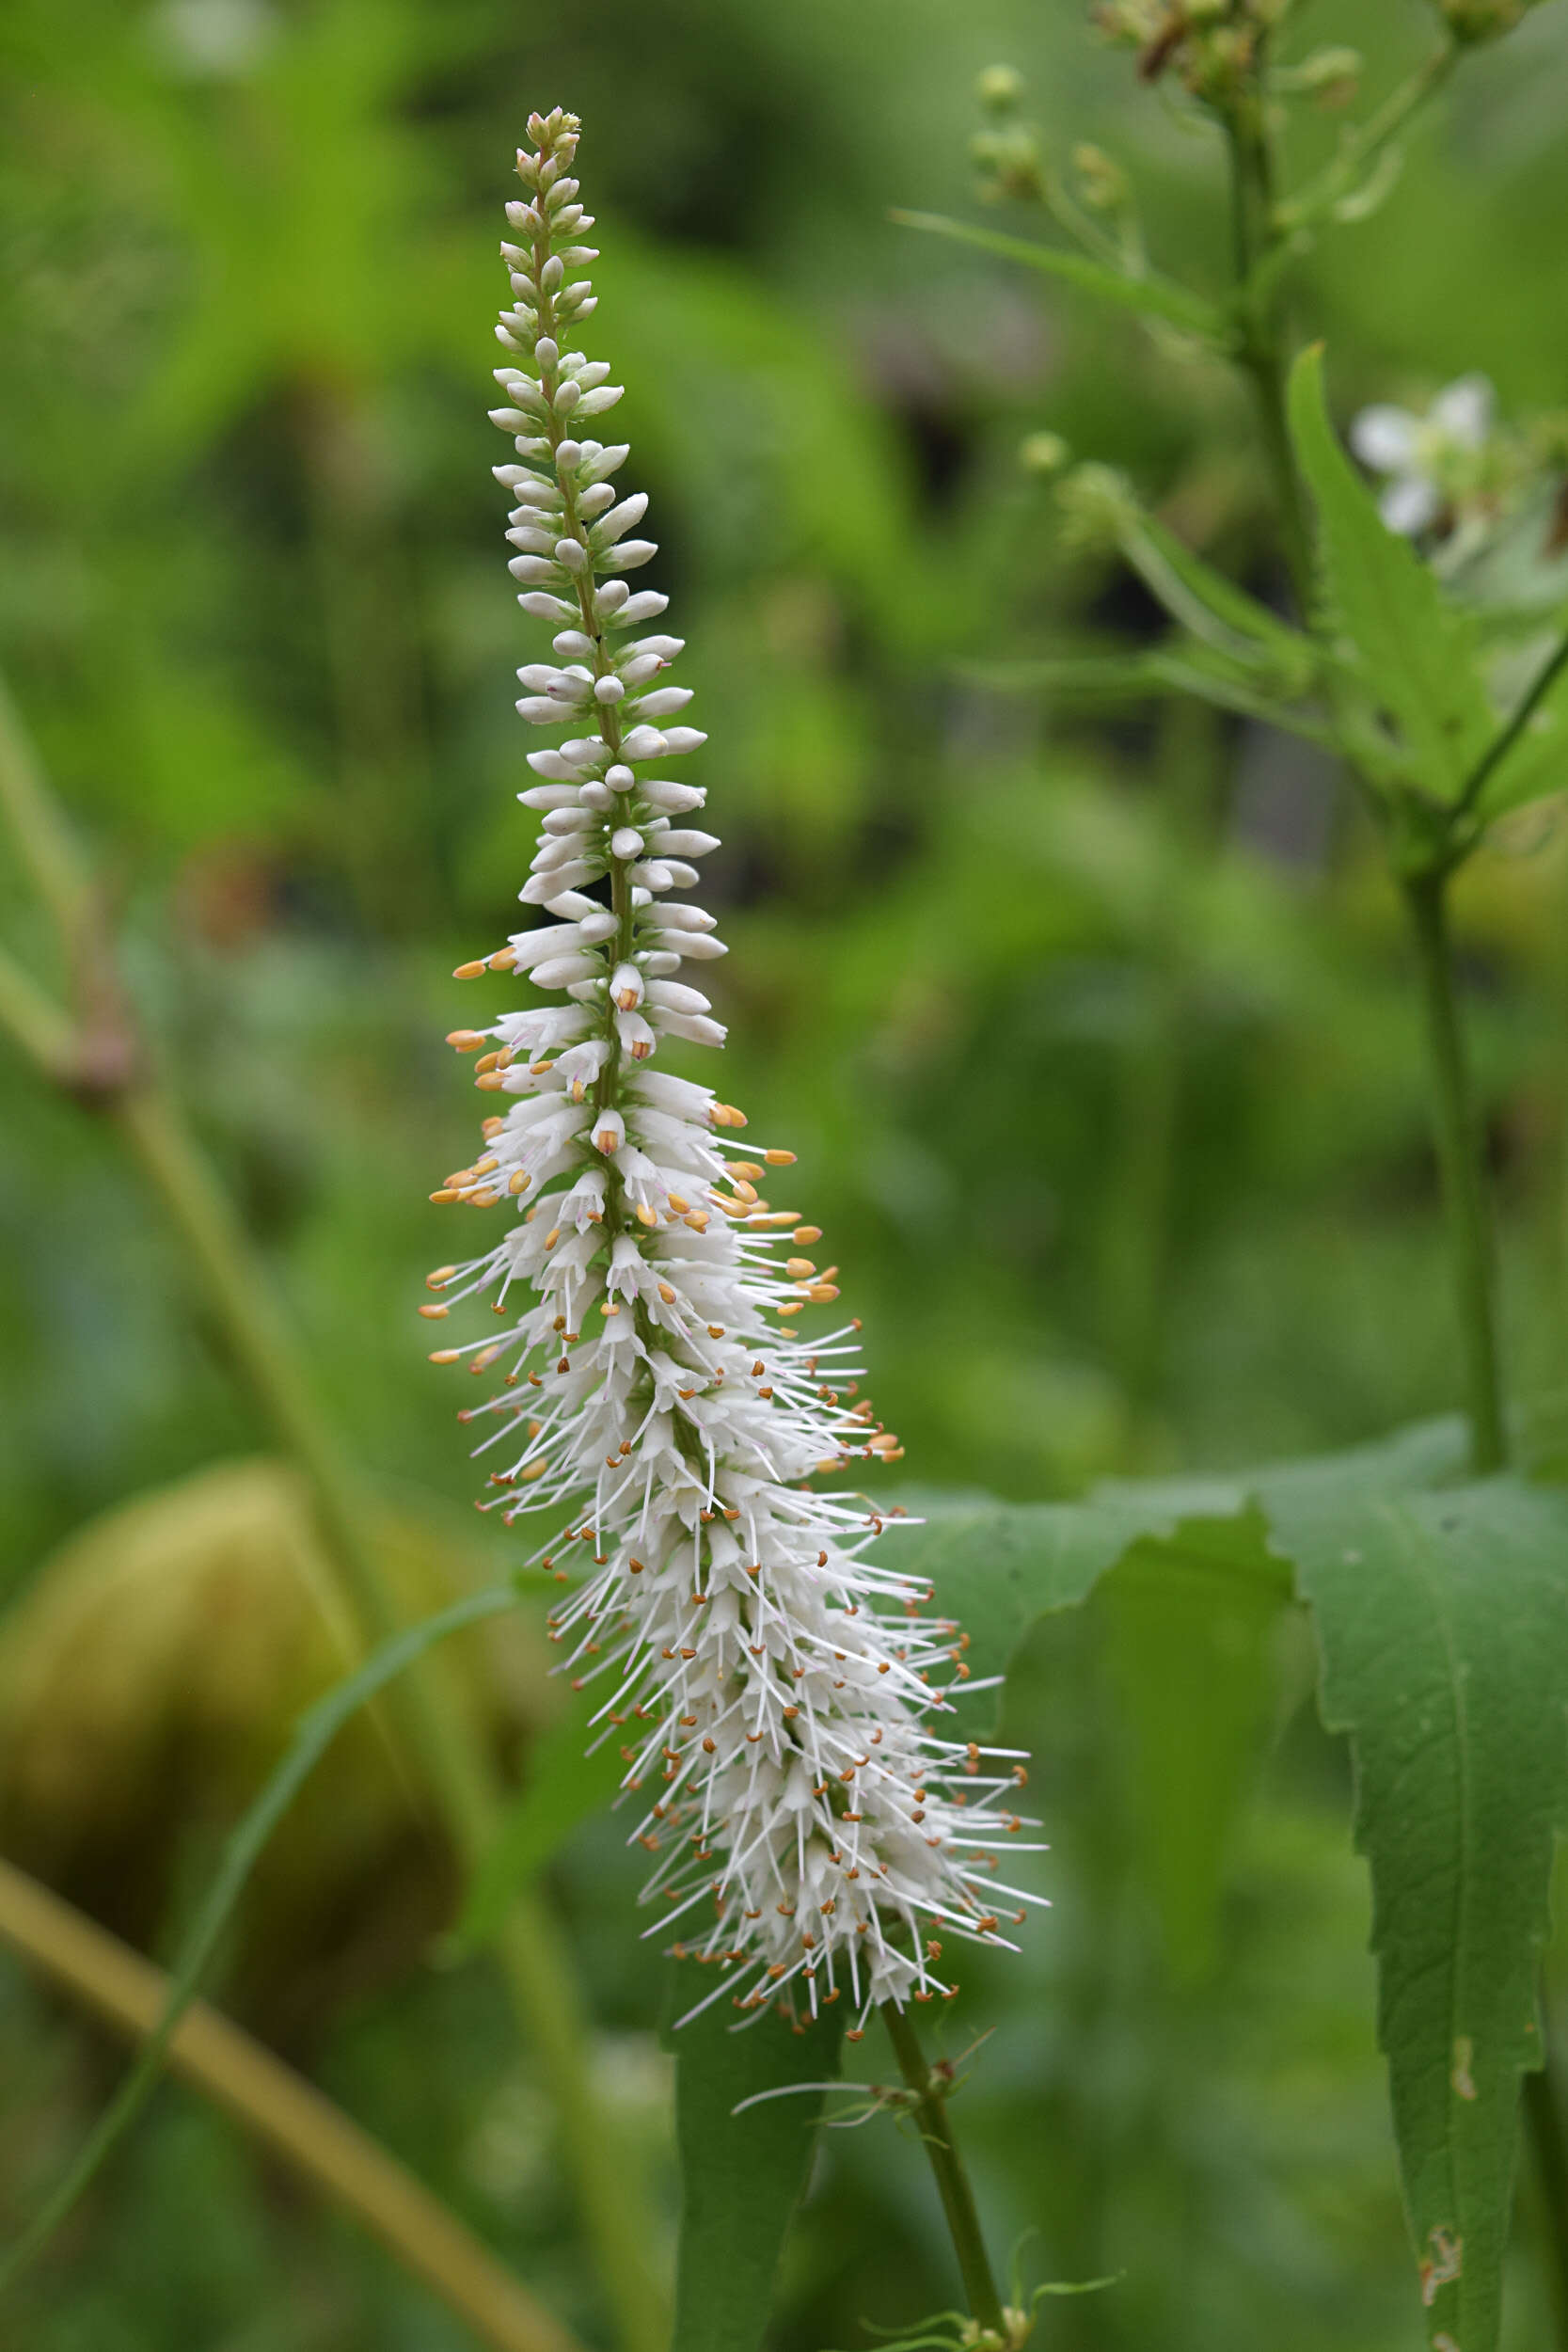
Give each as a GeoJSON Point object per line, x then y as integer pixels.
{"type": "Point", "coordinates": [1000, 89]}
{"type": "Point", "coordinates": [1043, 453]}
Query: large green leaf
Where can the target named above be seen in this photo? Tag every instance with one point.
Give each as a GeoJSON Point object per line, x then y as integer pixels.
{"type": "Point", "coordinates": [1443, 1623]}
{"type": "Point", "coordinates": [564, 1784]}
{"type": "Point", "coordinates": [997, 1566]}
{"type": "Point", "coordinates": [1152, 295]}
{"type": "Point", "coordinates": [1192, 1622]}
{"type": "Point", "coordinates": [1192, 1593]}
{"type": "Point", "coordinates": [741, 2175]}
{"type": "Point", "coordinates": [1416, 652]}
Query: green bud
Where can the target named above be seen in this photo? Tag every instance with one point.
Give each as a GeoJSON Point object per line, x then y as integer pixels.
{"type": "Point", "coordinates": [1332, 76]}
{"type": "Point", "coordinates": [1102, 181]}
{"type": "Point", "coordinates": [1476, 21]}
{"type": "Point", "coordinates": [1000, 89]}
{"type": "Point", "coordinates": [1094, 502]}
{"type": "Point", "coordinates": [1009, 163]}
{"type": "Point", "coordinates": [1043, 453]}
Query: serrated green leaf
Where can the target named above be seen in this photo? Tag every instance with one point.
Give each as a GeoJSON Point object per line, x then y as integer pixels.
{"type": "Point", "coordinates": [565, 1784]}
{"type": "Point", "coordinates": [1417, 653]}
{"type": "Point", "coordinates": [1152, 296]}
{"type": "Point", "coordinates": [1443, 1623]}
{"type": "Point", "coordinates": [741, 2175]}
{"type": "Point", "coordinates": [1190, 1623]}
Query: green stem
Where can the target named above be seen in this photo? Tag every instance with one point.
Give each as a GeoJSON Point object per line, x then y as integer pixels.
{"type": "Point", "coordinates": [1260, 352]}
{"type": "Point", "coordinates": [1360, 149]}
{"type": "Point", "coordinates": [538, 1968]}
{"type": "Point", "coordinates": [1548, 2140]}
{"type": "Point", "coordinates": [958, 2198]}
{"type": "Point", "coordinates": [1459, 1158]}
{"type": "Point", "coordinates": [1509, 734]}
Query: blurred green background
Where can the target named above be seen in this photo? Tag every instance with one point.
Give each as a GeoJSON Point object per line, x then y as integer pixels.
{"type": "Point", "coordinates": [1095, 1039]}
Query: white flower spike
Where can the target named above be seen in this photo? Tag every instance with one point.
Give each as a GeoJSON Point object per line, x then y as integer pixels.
{"type": "Point", "coordinates": [776, 1696]}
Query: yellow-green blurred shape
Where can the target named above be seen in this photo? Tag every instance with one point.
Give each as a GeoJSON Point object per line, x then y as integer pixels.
{"type": "Point", "coordinates": [147, 1681]}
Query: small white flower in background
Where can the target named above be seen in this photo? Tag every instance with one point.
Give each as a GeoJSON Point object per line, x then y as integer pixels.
{"type": "Point", "coordinates": [776, 1696]}
{"type": "Point", "coordinates": [1434, 463]}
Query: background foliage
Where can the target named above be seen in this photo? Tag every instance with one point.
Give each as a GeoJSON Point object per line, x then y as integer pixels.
{"type": "Point", "coordinates": [1096, 1039]}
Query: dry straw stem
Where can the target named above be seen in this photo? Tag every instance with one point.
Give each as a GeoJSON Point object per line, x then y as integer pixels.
{"type": "Point", "coordinates": [305, 2128]}
{"type": "Point", "coordinates": [96, 1056]}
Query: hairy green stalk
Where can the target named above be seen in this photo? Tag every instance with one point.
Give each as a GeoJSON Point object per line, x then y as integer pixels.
{"type": "Point", "coordinates": [930, 2092]}
{"type": "Point", "coordinates": [1457, 1138]}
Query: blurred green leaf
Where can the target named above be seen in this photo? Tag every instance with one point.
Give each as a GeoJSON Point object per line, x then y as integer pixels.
{"type": "Point", "coordinates": [1214, 607]}
{"type": "Point", "coordinates": [1129, 677]}
{"type": "Point", "coordinates": [997, 1568]}
{"type": "Point", "coordinates": [741, 2175]}
{"type": "Point", "coordinates": [564, 1786]}
{"type": "Point", "coordinates": [1443, 1623]}
{"type": "Point", "coordinates": [1416, 652]}
{"type": "Point", "coordinates": [1152, 296]}
{"type": "Point", "coordinates": [1192, 1620]}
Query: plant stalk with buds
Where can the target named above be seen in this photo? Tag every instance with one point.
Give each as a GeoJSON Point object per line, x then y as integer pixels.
{"type": "Point", "coordinates": [779, 1699]}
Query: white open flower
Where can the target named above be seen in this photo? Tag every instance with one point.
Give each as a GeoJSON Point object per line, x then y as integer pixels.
{"type": "Point", "coordinates": [1429, 459]}
{"type": "Point", "coordinates": [780, 1701]}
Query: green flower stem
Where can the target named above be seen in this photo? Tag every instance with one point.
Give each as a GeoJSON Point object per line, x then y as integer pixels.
{"type": "Point", "coordinates": [1360, 150]}
{"type": "Point", "coordinates": [1260, 347]}
{"type": "Point", "coordinates": [958, 2198]}
{"type": "Point", "coordinates": [1507, 735]}
{"type": "Point", "coordinates": [305, 2129]}
{"type": "Point", "coordinates": [1457, 1138]}
{"type": "Point", "coordinates": [537, 1965]}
